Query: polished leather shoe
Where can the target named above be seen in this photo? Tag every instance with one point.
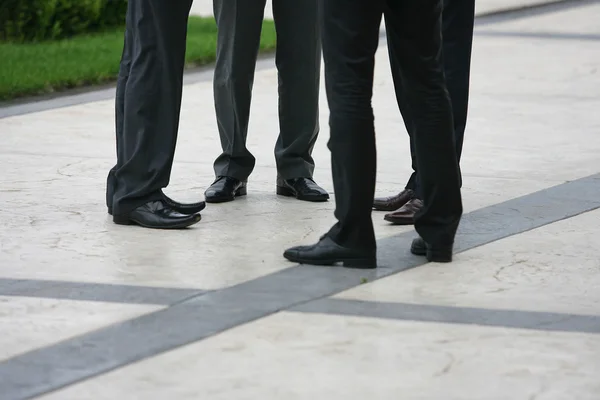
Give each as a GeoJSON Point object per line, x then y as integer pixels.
{"type": "Point", "coordinates": [225, 189]}
{"type": "Point", "coordinates": [441, 254]}
{"type": "Point", "coordinates": [301, 188]}
{"type": "Point", "coordinates": [393, 203]}
{"type": "Point", "coordinates": [157, 215]}
{"type": "Point", "coordinates": [327, 252]}
{"type": "Point", "coordinates": [406, 214]}
{"type": "Point", "coordinates": [182, 208]}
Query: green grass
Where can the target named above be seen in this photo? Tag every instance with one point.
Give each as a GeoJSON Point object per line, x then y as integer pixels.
{"type": "Point", "coordinates": [37, 68]}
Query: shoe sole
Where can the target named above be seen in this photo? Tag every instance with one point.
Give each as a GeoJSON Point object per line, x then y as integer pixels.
{"type": "Point", "coordinates": [243, 191]}
{"type": "Point", "coordinates": [120, 220]}
{"type": "Point", "coordinates": [399, 222]}
{"type": "Point", "coordinates": [439, 256]}
{"type": "Point", "coordinates": [357, 263]}
{"type": "Point", "coordinates": [200, 208]}
{"type": "Point", "coordinates": [386, 209]}
{"type": "Point", "coordinates": [432, 255]}
{"type": "Point", "coordinates": [418, 250]}
{"type": "Point", "coordinates": [287, 192]}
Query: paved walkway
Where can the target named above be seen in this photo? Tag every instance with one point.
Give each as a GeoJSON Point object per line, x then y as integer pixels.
{"type": "Point", "coordinates": [91, 310]}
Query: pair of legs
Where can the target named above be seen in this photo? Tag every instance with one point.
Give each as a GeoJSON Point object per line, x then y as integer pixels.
{"type": "Point", "coordinates": [350, 40]}
{"type": "Point", "coordinates": [148, 102]}
{"type": "Point", "coordinates": [298, 61]}
{"type": "Point", "coordinates": [458, 19]}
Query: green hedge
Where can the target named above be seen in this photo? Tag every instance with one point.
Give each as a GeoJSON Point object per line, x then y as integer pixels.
{"type": "Point", "coordinates": [37, 20]}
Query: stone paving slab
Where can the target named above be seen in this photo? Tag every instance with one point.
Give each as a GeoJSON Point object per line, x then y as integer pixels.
{"type": "Point", "coordinates": [313, 356]}
{"type": "Point", "coordinates": [552, 269]}
{"type": "Point", "coordinates": [29, 323]}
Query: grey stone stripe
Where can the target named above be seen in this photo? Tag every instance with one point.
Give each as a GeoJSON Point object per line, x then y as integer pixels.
{"type": "Point", "coordinates": [111, 293]}
{"type": "Point", "coordinates": [56, 366]}
{"type": "Point", "coordinates": [544, 321]}
{"type": "Point", "coordinates": [541, 35]}
{"type": "Point", "coordinates": [528, 212]}
{"type": "Point", "coordinates": [93, 94]}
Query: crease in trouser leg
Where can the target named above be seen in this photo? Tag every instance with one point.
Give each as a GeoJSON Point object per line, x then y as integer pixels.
{"type": "Point", "coordinates": [123, 75]}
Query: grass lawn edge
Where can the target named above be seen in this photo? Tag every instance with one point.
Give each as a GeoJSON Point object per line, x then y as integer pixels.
{"type": "Point", "coordinates": [201, 54]}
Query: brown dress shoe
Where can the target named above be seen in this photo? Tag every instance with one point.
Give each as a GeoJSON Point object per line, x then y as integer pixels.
{"type": "Point", "coordinates": [394, 202]}
{"type": "Point", "coordinates": [406, 214]}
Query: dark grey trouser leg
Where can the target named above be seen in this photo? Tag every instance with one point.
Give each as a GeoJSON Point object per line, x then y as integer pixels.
{"type": "Point", "coordinates": [124, 67]}
{"type": "Point", "coordinates": [239, 25]}
{"type": "Point", "coordinates": [298, 60]}
{"type": "Point", "coordinates": [152, 100]}
{"type": "Point", "coordinates": [458, 19]}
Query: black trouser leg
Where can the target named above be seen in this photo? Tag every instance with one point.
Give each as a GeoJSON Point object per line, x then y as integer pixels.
{"type": "Point", "coordinates": [415, 30]}
{"type": "Point", "coordinates": [152, 101]}
{"type": "Point", "coordinates": [402, 103]}
{"type": "Point", "coordinates": [350, 40]}
{"type": "Point", "coordinates": [239, 25]}
{"type": "Point", "coordinates": [458, 18]}
{"type": "Point", "coordinates": [298, 60]}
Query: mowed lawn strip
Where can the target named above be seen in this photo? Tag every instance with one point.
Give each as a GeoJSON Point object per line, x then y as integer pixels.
{"type": "Point", "coordinates": [37, 68]}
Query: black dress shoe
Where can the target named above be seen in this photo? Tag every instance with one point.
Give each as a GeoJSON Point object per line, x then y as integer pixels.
{"type": "Point", "coordinates": [225, 189]}
{"type": "Point", "coordinates": [301, 188]}
{"type": "Point", "coordinates": [157, 215]}
{"type": "Point", "coordinates": [183, 208]}
{"type": "Point", "coordinates": [441, 254]}
{"type": "Point", "coordinates": [327, 252]}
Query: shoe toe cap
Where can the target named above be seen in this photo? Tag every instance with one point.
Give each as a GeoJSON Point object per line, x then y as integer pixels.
{"type": "Point", "coordinates": [290, 253]}
{"type": "Point", "coordinates": [295, 252]}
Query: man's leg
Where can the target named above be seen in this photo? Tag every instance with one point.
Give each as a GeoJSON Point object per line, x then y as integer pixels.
{"type": "Point", "coordinates": [458, 19]}
{"type": "Point", "coordinates": [239, 24]}
{"type": "Point", "coordinates": [350, 39]}
{"type": "Point", "coordinates": [407, 195]}
{"type": "Point", "coordinates": [152, 101]}
{"type": "Point", "coordinates": [111, 181]}
{"type": "Point", "coordinates": [403, 105]}
{"type": "Point", "coordinates": [407, 202]}
{"type": "Point", "coordinates": [417, 37]}
{"type": "Point", "coordinates": [298, 60]}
